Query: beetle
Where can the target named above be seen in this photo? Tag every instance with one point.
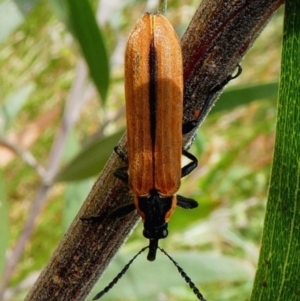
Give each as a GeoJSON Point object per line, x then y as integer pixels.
{"type": "Point", "coordinates": [154, 112]}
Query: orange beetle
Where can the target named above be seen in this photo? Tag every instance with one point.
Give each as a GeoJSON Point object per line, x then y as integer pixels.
{"type": "Point", "coordinates": [154, 109]}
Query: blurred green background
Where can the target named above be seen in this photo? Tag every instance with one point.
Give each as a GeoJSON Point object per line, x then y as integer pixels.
{"type": "Point", "coordinates": [54, 121]}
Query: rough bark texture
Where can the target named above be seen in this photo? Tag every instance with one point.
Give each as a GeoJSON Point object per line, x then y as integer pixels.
{"type": "Point", "coordinates": [218, 37]}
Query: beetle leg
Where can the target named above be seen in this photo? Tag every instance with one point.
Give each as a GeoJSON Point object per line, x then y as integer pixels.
{"type": "Point", "coordinates": [190, 125]}
{"type": "Point", "coordinates": [121, 174]}
{"type": "Point", "coordinates": [119, 212]}
{"type": "Point", "coordinates": [187, 169]}
{"type": "Point", "coordinates": [122, 211]}
{"type": "Point", "coordinates": [186, 203]}
{"type": "Point", "coordinates": [93, 219]}
{"type": "Point", "coordinates": [120, 154]}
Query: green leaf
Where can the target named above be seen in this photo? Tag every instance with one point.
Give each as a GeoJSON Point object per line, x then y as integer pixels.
{"type": "Point", "coordinates": [90, 38]}
{"type": "Point", "coordinates": [12, 15]}
{"type": "Point", "coordinates": [4, 224]}
{"type": "Point", "coordinates": [278, 273]}
{"type": "Point", "coordinates": [234, 97]}
{"type": "Point", "coordinates": [90, 161]}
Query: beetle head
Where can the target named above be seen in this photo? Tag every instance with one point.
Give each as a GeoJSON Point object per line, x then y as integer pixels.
{"type": "Point", "coordinates": [155, 211]}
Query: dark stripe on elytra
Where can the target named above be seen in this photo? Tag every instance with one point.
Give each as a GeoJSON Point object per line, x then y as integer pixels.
{"type": "Point", "coordinates": [152, 91]}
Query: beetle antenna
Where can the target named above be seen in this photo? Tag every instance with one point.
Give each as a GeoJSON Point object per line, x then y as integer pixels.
{"type": "Point", "coordinates": [187, 279]}
{"type": "Point", "coordinates": [119, 276]}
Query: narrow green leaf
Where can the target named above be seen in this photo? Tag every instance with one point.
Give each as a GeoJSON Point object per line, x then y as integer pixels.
{"type": "Point", "coordinates": [4, 226]}
{"type": "Point", "coordinates": [72, 146]}
{"type": "Point", "coordinates": [90, 38]}
{"type": "Point", "coordinates": [238, 96]}
{"type": "Point", "coordinates": [278, 271]}
{"type": "Point", "coordinates": [90, 161]}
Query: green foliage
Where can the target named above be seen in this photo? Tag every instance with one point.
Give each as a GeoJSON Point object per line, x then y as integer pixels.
{"type": "Point", "coordinates": [3, 224]}
{"type": "Point", "coordinates": [12, 14]}
{"type": "Point", "coordinates": [278, 271]}
{"type": "Point", "coordinates": [84, 25]}
{"type": "Point", "coordinates": [90, 159]}
{"type": "Point", "coordinates": [243, 95]}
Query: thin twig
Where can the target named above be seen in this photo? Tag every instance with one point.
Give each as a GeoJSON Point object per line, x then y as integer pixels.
{"type": "Point", "coordinates": [162, 6]}
{"type": "Point", "coordinates": [24, 154]}
{"type": "Point", "coordinates": [73, 106]}
{"type": "Point", "coordinates": [115, 117]}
